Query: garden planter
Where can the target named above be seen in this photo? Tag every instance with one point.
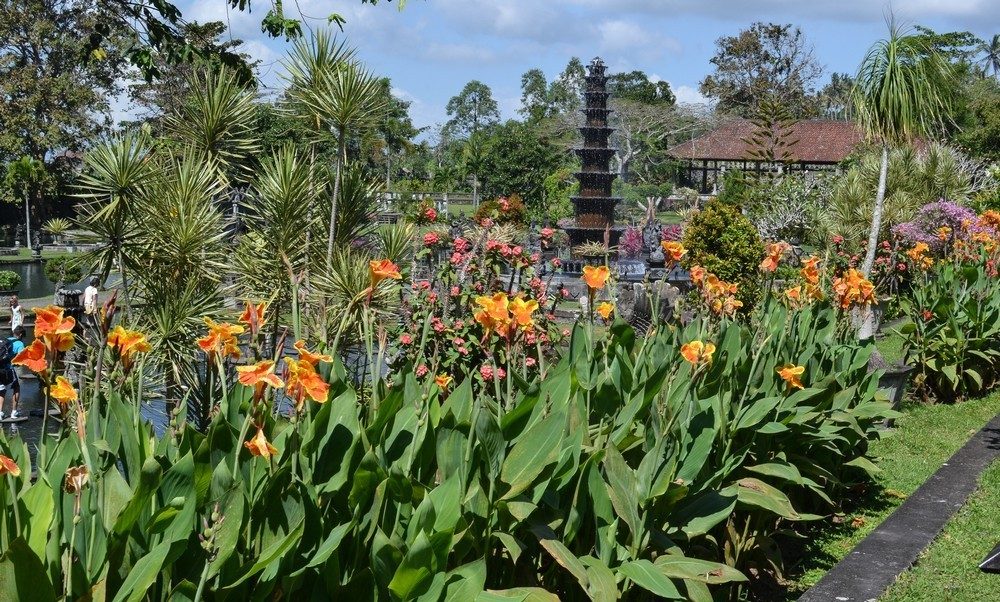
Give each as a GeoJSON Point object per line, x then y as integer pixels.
{"type": "Point", "coordinates": [893, 383]}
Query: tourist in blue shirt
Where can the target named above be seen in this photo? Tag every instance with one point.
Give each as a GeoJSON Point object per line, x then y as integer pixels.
{"type": "Point", "coordinates": [8, 376]}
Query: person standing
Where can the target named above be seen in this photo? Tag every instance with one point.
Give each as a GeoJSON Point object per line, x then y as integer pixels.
{"type": "Point", "coordinates": [16, 313]}
{"type": "Point", "coordinates": [90, 302]}
{"type": "Point", "coordinates": [8, 376]}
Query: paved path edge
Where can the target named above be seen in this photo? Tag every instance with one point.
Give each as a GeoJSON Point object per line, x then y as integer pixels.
{"type": "Point", "coordinates": [892, 548]}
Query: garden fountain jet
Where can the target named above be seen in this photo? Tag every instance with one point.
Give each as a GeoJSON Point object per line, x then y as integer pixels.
{"type": "Point", "coordinates": [594, 208]}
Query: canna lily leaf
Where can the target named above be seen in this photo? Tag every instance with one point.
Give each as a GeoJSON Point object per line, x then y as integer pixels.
{"type": "Point", "coordinates": [536, 449]}
{"type": "Point", "coordinates": [647, 576]}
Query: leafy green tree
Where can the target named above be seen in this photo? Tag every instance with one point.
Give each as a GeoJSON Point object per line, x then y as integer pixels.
{"type": "Point", "coordinates": [541, 99]}
{"type": "Point", "coordinates": [157, 29]}
{"type": "Point", "coordinates": [55, 95]}
{"type": "Point", "coordinates": [764, 60]}
{"type": "Point", "coordinates": [979, 122]}
{"type": "Point", "coordinates": [472, 110]}
{"type": "Point", "coordinates": [534, 95]}
{"type": "Point", "coordinates": [636, 86]}
{"type": "Point", "coordinates": [386, 143]}
{"type": "Point", "coordinates": [952, 46]}
{"type": "Point", "coordinates": [834, 99]}
{"type": "Point", "coordinates": [171, 88]}
{"type": "Point", "coordinates": [517, 159]}
{"type": "Point", "coordinates": [27, 179]}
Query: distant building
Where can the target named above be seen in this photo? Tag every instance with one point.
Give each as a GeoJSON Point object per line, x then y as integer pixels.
{"type": "Point", "coordinates": [814, 145]}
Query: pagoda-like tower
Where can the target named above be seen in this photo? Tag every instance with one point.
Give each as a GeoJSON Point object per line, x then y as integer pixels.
{"type": "Point", "coordinates": [594, 208]}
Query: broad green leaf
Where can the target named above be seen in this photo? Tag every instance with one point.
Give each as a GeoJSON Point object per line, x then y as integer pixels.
{"type": "Point", "coordinates": [466, 582]}
{"type": "Point", "coordinates": [754, 492]}
{"type": "Point", "coordinates": [623, 489]}
{"type": "Point", "coordinates": [644, 574]}
{"type": "Point", "coordinates": [22, 576]}
{"type": "Point", "coordinates": [536, 449]}
{"type": "Point", "coordinates": [680, 567]}
{"type": "Point", "coordinates": [603, 587]}
{"type": "Point", "coordinates": [143, 574]}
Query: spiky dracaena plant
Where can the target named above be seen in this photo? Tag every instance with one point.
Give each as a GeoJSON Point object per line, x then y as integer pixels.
{"type": "Point", "coordinates": [183, 264]}
{"type": "Point", "coordinates": [279, 212]}
{"type": "Point", "coordinates": [216, 123]}
{"type": "Point", "coordinates": [116, 176]}
{"type": "Point", "coordinates": [331, 90]}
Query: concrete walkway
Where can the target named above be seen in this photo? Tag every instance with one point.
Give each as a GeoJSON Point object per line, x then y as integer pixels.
{"type": "Point", "coordinates": [892, 548]}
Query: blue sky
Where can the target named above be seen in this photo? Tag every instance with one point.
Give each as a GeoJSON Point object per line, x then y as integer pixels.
{"type": "Point", "coordinates": [431, 48]}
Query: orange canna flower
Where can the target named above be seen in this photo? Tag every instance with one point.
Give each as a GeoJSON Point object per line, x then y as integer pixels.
{"type": "Point", "coordinates": [260, 446]}
{"type": "Point", "coordinates": [697, 352]}
{"type": "Point", "coordinates": [221, 339]}
{"type": "Point", "coordinates": [50, 321]}
{"type": "Point", "coordinates": [810, 269]}
{"type": "Point", "coordinates": [53, 329]}
{"type": "Point", "coordinates": [32, 357]}
{"type": "Point", "coordinates": [126, 343]}
{"type": "Point", "coordinates": [493, 314]}
{"type": "Point", "coordinates": [774, 252]}
{"type": "Point", "coordinates": [604, 309]}
{"type": "Point", "coordinates": [304, 382]}
{"type": "Point", "coordinates": [313, 359]}
{"type": "Point", "coordinates": [814, 292]}
{"type": "Point", "coordinates": [794, 295]}
{"type": "Point", "coordinates": [697, 275]}
{"type": "Point", "coordinates": [674, 250]}
{"type": "Point", "coordinates": [9, 466]}
{"type": "Point", "coordinates": [259, 375]}
{"type": "Point", "coordinates": [381, 270]}
{"type": "Point", "coordinates": [853, 288]}
{"type": "Point", "coordinates": [790, 374]}
{"type": "Point", "coordinates": [521, 310]}
{"type": "Point", "coordinates": [442, 381]}
{"type": "Point", "coordinates": [943, 233]}
{"type": "Point", "coordinates": [62, 390]}
{"type": "Point", "coordinates": [253, 316]}
{"type": "Point", "coordinates": [596, 276]}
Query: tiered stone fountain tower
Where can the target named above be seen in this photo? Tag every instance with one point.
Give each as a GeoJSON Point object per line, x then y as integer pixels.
{"type": "Point", "coordinates": [594, 209]}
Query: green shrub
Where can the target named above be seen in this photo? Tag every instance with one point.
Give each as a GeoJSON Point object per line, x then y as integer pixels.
{"type": "Point", "coordinates": [560, 186]}
{"type": "Point", "coordinates": [503, 210]}
{"type": "Point", "coordinates": [63, 269]}
{"type": "Point", "coordinates": [9, 280]}
{"type": "Point", "coordinates": [722, 240]}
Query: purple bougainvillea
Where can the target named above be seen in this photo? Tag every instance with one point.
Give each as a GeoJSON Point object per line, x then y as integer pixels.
{"type": "Point", "coordinates": [927, 222]}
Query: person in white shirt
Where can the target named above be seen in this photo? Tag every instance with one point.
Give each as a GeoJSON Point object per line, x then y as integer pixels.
{"type": "Point", "coordinates": [16, 313]}
{"type": "Point", "coordinates": [90, 301]}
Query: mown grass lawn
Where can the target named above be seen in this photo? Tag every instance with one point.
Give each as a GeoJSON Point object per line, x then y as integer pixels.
{"type": "Point", "coordinates": [923, 438]}
{"type": "Point", "coordinates": [948, 569]}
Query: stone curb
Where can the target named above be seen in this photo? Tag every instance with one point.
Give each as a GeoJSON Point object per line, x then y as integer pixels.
{"type": "Point", "coordinates": [892, 548]}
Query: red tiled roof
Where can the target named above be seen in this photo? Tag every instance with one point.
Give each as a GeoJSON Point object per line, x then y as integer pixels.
{"type": "Point", "coordinates": [819, 141]}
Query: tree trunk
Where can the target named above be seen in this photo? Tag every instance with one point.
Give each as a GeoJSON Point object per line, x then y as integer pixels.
{"type": "Point", "coordinates": [866, 267]}
{"type": "Point", "coordinates": [333, 204]}
{"type": "Point", "coordinates": [867, 317]}
{"type": "Point", "coordinates": [27, 221]}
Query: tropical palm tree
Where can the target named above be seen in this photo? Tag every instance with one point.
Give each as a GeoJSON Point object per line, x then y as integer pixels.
{"type": "Point", "coordinates": [901, 92]}
{"type": "Point", "coordinates": [990, 51]}
{"type": "Point", "coordinates": [339, 94]}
